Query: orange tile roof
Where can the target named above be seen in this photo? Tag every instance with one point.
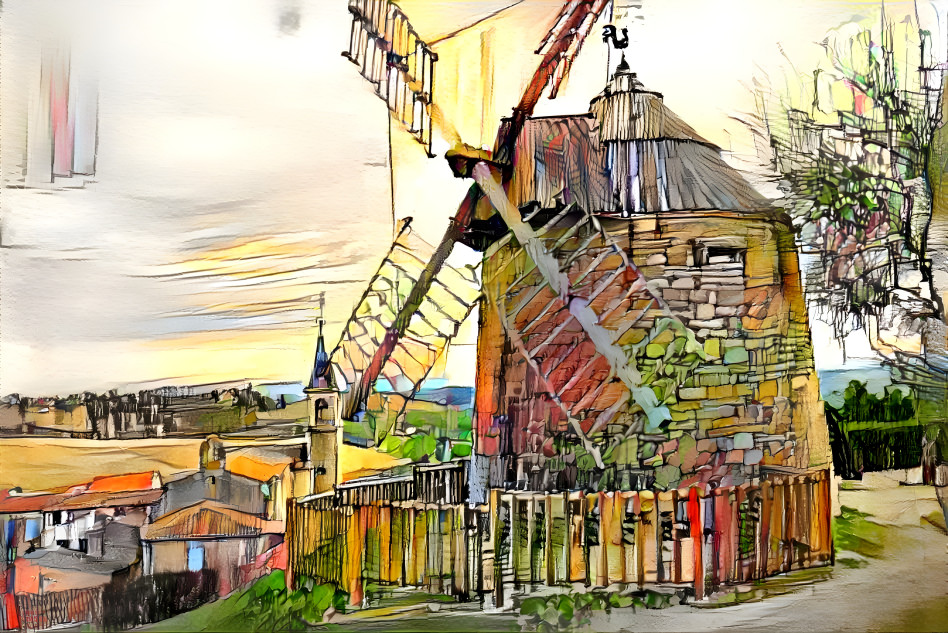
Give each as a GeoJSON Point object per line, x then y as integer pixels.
{"type": "Point", "coordinates": [255, 468]}
{"type": "Point", "coordinates": [123, 483]}
{"type": "Point", "coordinates": [135, 489]}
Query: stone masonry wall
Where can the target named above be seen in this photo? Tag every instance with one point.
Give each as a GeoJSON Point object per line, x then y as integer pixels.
{"type": "Point", "coordinates": [752, 404]}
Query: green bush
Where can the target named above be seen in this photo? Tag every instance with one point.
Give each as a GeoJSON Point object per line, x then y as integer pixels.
{"type": "Point", "coordinates": [571, 611]}
{"type": "Point", "coordinates": [267, 605]}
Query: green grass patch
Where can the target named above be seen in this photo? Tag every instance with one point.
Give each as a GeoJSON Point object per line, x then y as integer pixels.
{"type": "Point", "coordinates": [268, 605]}
{"type": "Point", "coordinates": [852, 532]}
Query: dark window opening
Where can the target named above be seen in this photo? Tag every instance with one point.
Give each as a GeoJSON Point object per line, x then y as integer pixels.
{"type": "Point", "coordinates": [666, 525]}
{"type": "Point", "coordinates": [682, 521]}
{"type": "Point", "coordinates": [711, 255]}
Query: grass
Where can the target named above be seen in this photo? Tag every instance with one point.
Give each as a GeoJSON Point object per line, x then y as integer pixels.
{"type": "Point", "coordinates": [854, 534]}
{"type": "Point", "coordinates": [267, 605]}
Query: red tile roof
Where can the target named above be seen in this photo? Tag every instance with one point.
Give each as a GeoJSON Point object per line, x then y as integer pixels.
{"type": "Point", "coordinates": [89, 500]}
{"type": "Point", "coordinates": [18, 504]}
{"type": "Point", "coordinates": [136, 489]}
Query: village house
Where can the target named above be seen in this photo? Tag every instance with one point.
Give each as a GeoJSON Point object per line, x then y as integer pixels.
{"type": "Point", "coordinates": [235, 545]}
{"type": "Point", "coordinates": [70, 553]}
{"type": "Point", "coordinates": [78, 538]}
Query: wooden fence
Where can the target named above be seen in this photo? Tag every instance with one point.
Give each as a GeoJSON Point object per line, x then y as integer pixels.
{"type": "Point", "coordinates": [119, 605]}
{"type": "Point", "coordinates": [689, 537]}
{"type": "Point", "coordinates": [36, 612]}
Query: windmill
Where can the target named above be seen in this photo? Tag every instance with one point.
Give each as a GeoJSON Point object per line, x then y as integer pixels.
{"type": "Point", "coordinates": [380, 331]}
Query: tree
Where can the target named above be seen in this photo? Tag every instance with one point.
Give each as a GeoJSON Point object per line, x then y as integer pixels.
{"type": "Point", "coordinates": [852, 149]}
{"type": "Point", "coordinates": [853, 164]}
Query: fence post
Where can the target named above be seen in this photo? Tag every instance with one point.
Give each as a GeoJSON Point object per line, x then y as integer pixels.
{"type": "Point", "coordinates": [766, 509]}
{"type": "Point", "coordinates": [697, 537]}
{"type": "Point", "coordinates": [291, 533]}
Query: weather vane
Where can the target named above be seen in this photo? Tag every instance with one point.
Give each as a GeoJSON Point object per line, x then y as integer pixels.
{"type": "Point", "coordinates": [609, 32]}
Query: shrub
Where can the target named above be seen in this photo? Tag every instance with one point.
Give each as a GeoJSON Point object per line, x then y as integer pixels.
{"type": "Point", "coordinates": [571, 611]}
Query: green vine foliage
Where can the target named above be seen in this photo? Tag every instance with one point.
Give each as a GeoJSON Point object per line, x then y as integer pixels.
{"type": "Point", "coordinates": [665, 366]}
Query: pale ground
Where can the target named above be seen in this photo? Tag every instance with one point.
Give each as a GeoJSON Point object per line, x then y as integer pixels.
{"type": "Point", "coordinates": [906, 589]}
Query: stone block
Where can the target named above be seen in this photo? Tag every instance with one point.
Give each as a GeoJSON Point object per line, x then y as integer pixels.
{"type": "Point", "coordinates": [685, 283]}
{"type": "Point", "coordinates": [744, 440]}
{"type": "Point", "coordinates": [693, 393]}
{"type": "Point", "coordinates": [668, 446]}
{"type": "Point", "coordinates": [722, 391]}
{"type": "Point", "coordinates": [721, 423]}
{"type": "Point", "coordinates": [705, 311]}
{"type": "Point", "coordinates": [735, 355]}
{"type": "Point", "coordinates": [734, 457]}
{"type": "Point", "coordinates": [699, 296]}
{"type": "Point", "coordinates": [727, 411]}
{"type": "Point", "coordinates": [656, 259]}
{"type": "Point", "coordinates": [742, 389]}
{"type": "Point", "coordinates": [730, 297]}
{"type": "Point", "coordinates": [707, 446]}
{"type": "Point", "coordinates": [753, 457]}
{"type": "Point", "coordinates": [712, 347]}
{"type": "Point", "coordinates": [711, 324]}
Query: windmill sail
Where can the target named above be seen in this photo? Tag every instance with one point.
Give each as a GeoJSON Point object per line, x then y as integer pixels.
{"type": "Point", "coordinates": [369, 343]}
{"type": "Point", "coordinates": [391, 55]}
{"type": "Point", "coordinates": [453, 293]}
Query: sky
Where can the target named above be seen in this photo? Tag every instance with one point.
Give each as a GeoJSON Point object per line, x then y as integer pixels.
{"type": "Point", "coordinates": [243, 166]}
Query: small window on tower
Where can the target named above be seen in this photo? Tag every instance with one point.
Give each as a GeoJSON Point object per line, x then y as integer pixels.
{"type": "Point", "coordinates": [711, 255]}
{"type": "Point", "coordinates": [721, 255]}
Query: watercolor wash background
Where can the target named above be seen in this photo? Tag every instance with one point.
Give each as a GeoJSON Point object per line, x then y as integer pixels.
{"type": "Point", "coordinates": [243, 167]}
